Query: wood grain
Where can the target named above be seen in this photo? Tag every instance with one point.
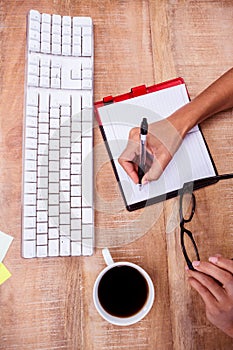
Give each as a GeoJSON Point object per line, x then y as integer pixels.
{"type": "Point", "coordinates": [47, 303]}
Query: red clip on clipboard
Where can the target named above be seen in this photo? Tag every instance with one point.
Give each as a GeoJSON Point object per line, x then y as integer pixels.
{"type": "Point", "coordinates": [135, 91]}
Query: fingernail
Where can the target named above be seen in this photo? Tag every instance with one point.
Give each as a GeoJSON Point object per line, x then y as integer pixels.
{"type": "Point", "coordinates": [213, 259]}
{"type": "Point", "coordinates": [144, 182]}
{"type": "Point", "coordinates": [196, 263]}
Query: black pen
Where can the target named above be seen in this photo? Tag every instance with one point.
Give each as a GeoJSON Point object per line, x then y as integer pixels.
{"type": "Point", "coordinates": [142, 164]}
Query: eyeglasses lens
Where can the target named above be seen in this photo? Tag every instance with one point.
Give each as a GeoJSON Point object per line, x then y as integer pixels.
{"type": "Point", "coordinates": [190, 248]}
{"type": "Point", "coordinates": [188, 206]}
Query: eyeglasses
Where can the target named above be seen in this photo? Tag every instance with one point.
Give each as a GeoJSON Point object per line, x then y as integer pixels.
{"type": "Point", "coordinates": [187, 210]}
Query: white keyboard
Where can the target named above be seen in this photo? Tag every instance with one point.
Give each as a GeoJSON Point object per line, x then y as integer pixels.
{"type": "Point", "coordinates": [57, 203]}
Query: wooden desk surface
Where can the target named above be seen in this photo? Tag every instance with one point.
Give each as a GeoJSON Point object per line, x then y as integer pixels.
{"type": "Point", "coordinates": [47, 303]}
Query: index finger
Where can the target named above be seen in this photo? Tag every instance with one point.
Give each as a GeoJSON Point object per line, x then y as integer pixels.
{"type": "Point", "coordinates": [208, 285]}
{"type": "Point", "coordinates": [221, 275]}
{"type": "Point", "coordinates": [130, 168]}
{"type": "Point", "coordinates": [128, 160]}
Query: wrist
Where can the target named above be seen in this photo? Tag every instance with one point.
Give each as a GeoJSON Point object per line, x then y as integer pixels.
{"type": "Point", "coordinates": [184, 119]}
{"type": "Point", "coordinates": [180, 123]}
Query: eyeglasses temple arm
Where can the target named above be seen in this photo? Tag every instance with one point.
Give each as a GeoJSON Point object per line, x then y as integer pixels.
{"type": "Point", "coordinates": [211, 180]}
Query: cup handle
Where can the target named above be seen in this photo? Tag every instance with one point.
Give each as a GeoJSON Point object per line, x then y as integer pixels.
{"type": "Point", "coordinates": [107, 256]}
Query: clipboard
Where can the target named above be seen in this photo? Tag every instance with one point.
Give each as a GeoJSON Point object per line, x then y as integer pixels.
{"type": "Point", "coordinates": [136, 94]}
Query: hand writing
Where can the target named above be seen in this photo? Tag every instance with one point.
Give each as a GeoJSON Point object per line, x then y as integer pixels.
{"type": "Point", "coordinates": [163, 140]}
{"type": "Point", "coordinates": [218, 298]}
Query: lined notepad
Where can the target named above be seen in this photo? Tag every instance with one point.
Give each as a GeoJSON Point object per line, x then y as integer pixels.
{"type": "Point", "coordinates": [192, 161]}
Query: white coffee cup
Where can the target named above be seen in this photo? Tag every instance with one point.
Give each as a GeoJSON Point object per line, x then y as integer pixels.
{"type": "Point", "coordinates": [142, 312]}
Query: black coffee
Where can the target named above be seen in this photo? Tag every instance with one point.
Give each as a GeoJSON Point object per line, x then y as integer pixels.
{"type": "Point", "coordinates": [123, 291]}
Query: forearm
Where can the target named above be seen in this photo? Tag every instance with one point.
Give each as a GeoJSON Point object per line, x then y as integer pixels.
{"type": "Point", "coordinates": [216, 98]}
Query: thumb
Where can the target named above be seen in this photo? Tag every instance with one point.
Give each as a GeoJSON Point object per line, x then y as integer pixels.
{"type": "Point", "coordinates": [157, 167]}
{"type": "Point", "coordinates": [153, 173]}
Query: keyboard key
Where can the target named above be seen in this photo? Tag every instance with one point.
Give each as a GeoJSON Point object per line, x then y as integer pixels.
{"type": "Point", "coordinates": [42, 240]}
{"type": "Point", "coordinates": [56, 19]}
{"type": "Point", "coordinates": [30, 210]}
{"type": "Point", "coordinates": [86, 84]}
{"type": "Point", "coordinates": [29, 199]}
{"type": "Point", "coordinates": [42, 204]}
{"type": "Point", "coordinates": [76, 248]}
{"type": "Point", "coordinates": [86, 63]}
{"type": "Point", "coordinates": [42, 215]}
{"type": "Point", "coordinates": [75, 202]}
{"type": "Point", "coordinates": [53, 233]}
{"type": "Point", "coordinates": [86, 45]}
{"type": "Point", "coordinates": [33, 69]}
{"type": "Point", "coordinates": [87, 115]}
{"type": "Point", "coordinates": [34, 35]}
{"type": "Point", "coordinates": [44, 81]}
{"type": "Point", "coordinates": [76, 191]}
{"type": "Point", "coordinates": [66, 40]}
{"type": "Point", "coordinates": [53, 199]}
{"type": "Point", "coordinates": [87, 246]}
{"type": "Point", "coordinates": [45, 61]}
{"type": "Point", "coordinates": [35, 25]}
{"type": "Point", "coordinates": [76, 235]}
{"type": "Point", "coordinates": [53, 247]}
{"type": "Point", "coordinates": [30, 176]}
{"type": "Point", "coordinates": [31, 133]}
{"type": "Point", "coordinates": [42, 171]}
{"type": "Point", "coordinates": [64, 246]}
{"type": "Point", "coordinates": [33, 80]}
{"type": "Point", "coordinates": [65, 111]}
{"type": "Point", "coordinates": [42, 227]}
{"type": "Point", "coordinates": [30, 143]}
{"type": "Point", "coordinates": [64, 229]}
{"type": "Point", "coordinates": [66, 21]}
{"type": "Point", "coordinates": [30, 165]}
{"type": "Point", "coordinates": [56, 34]}
{"type": "Point", "coordinates": [76, 107]}
{"type": "Point", "coordinates": [76, 213]}
{"type": "Point", "coordinates": [82, 21]}
{"type": "Point", "coordinates": [30, 153]}
{"type": "Point", "coordinates": [29, 248]}
{"type": "Point", "coordinates": [32, 97]}
{"type": "Point", "coordinates": [56, 48]}
{"type": "Point", "coordinates": [66, 49]}
{"type": "Point", "coordinates": [30, 187]}
{"type": "Point", "coordinates": [76, 224]}
{"type": "Point", "coordinates": [29, 234]}
{"type": "Point", "coordinates": [65, 207]}
{"type": "Point", "coordinates": [53, 177]}
{"type": "Point", "coordinates": [86, 31]}
{"type": "Point", "coordinates": [46, 18]}
{"type": "Point", "coordinates": [87, 231]}
{"type": "Point", "coordinates": [34, 45]}
{"type": "Point", "coordinates": [87, 215]}
{"type": "Point", "coordinates": [41, 251]}
{"type": "Point", "coordinates": [76, 50]}
{"type": "Point", "coordinates": [34, 15]}
{"type": "Point", "coordinates": [33, 59]}
{"type": "Point", "coordinates": [45, 48]}
{"type": "Point", "coordinates": [29, 222]}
